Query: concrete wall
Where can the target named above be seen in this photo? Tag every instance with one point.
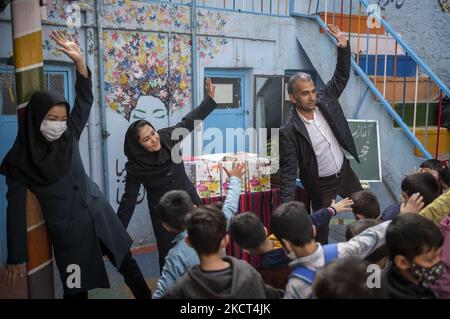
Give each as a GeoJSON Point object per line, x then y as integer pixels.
{"type": "Point", "coordinates": [148, 46]}
{"type": "Point", "coordinates": [425, 28]}
{"type": "Point", "coordinates": [226, 40]}
{"type": "Point", "coordinates": [422, 24]}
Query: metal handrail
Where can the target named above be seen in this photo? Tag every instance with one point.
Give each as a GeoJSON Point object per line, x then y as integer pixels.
{"type": "Point", "coordinates": [407, 50]}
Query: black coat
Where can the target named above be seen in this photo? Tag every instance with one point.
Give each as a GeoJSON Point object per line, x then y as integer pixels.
{"type": "Point", "coordinates": [76, 213]}
{"type": "Point", "coordinates": [398, 287]}
{"type": "Point", "coordinates": [175, 179]}
{"type": "Point", "coordinates": [296, 151]}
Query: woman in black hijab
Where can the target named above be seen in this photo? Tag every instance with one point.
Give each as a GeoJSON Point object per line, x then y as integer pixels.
{"type": "Point", "coordinates": [81, 223]}
{"type": "Point", "coordinates": [150, 163]}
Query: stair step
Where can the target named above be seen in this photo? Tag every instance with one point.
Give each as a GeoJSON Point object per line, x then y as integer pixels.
{"type": "Point", "coordinates": [408, 113]}
{"type": "Point", "coordinates": [410, 90]}
{"type": "Point", "coordinates": [406, 66]}
{"type": "Point", "coordinates": [350, 24]}
{"type": "Point", "coordinates": [432, 133]}
{"type": "Point", "coordinates": [380, 46]}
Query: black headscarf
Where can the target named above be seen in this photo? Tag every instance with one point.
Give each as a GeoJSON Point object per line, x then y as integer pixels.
{"type": "Point", "coordinates": [33, 160]}
{"type": "Point", "coordinates": [143, 165]}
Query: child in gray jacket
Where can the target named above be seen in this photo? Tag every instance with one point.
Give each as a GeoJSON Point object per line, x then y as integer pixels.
{"type": "Point", "coordinates": [294, 228]}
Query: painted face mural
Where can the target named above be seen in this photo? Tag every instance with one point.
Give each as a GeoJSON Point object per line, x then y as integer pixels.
{"type": "Point", "coordinates": [150, 63]}
{"type": "Point", "coordinates": [147, 63]}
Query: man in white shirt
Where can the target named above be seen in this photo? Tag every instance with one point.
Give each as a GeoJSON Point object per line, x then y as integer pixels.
{"type": "Point", "coordinates": [313, 139]}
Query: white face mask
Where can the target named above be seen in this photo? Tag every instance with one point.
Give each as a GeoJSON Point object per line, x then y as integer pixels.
{"type": "Point", "coordinates": [52, 130]}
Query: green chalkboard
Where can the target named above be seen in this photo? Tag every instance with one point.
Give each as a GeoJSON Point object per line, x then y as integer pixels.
{"type": "Point", "coordinates": [366, 137]}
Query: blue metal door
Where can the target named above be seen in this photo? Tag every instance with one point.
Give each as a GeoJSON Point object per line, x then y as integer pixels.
{"type": "Point", "coordinates": [230, 113]}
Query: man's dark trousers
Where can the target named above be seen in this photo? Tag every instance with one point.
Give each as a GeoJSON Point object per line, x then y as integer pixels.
{"type": "Point", "coordinates": [343, 184]}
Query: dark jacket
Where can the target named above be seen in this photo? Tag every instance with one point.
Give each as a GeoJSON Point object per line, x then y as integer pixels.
{"type": "Point", "coordinates": [390, 212]}
{"type": "Point", "coordinates": [398, 287]}
{"type": "Point", "coordinates": [274, 264]}
{"type": "Point", "coordinates": [296, 151]}
{"type": "Point", "coordinates": [241, 281]}
{"type": "Point", "coordinates": [274, 268]}
{"type": "Point", "coordinates": [175, 179]}
{"type": "Point", "coordinates": [76, 213]}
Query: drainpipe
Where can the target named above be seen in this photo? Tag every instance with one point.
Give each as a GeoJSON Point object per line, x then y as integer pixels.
{"type": "Point", "coordinates": [292, 7]}
{"type": "Point", "coordinates": [104, 131]}
{"type": "Point", "coordinates": [195, 150]}
{"type": "Point", "coordinates": [194, 52]}
{"type": "Point", "coordinates": [92, 121]}
{"type": "Point", "coordinates": [29, 69]}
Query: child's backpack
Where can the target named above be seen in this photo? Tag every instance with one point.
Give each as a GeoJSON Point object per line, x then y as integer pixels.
{"type": "Point", "coordinates": [330, 253]}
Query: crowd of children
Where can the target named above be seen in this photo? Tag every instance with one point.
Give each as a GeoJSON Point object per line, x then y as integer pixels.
{"type": "Point", "coordinates": [402, 252]}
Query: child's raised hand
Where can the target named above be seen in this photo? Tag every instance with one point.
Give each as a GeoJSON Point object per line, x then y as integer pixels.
{"type": "Point", "coordinates": [414, 204]}
{"type": "Point", "coordinates": [237, 170]}
{"type": "Point", "coordinates": [344, 205]}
